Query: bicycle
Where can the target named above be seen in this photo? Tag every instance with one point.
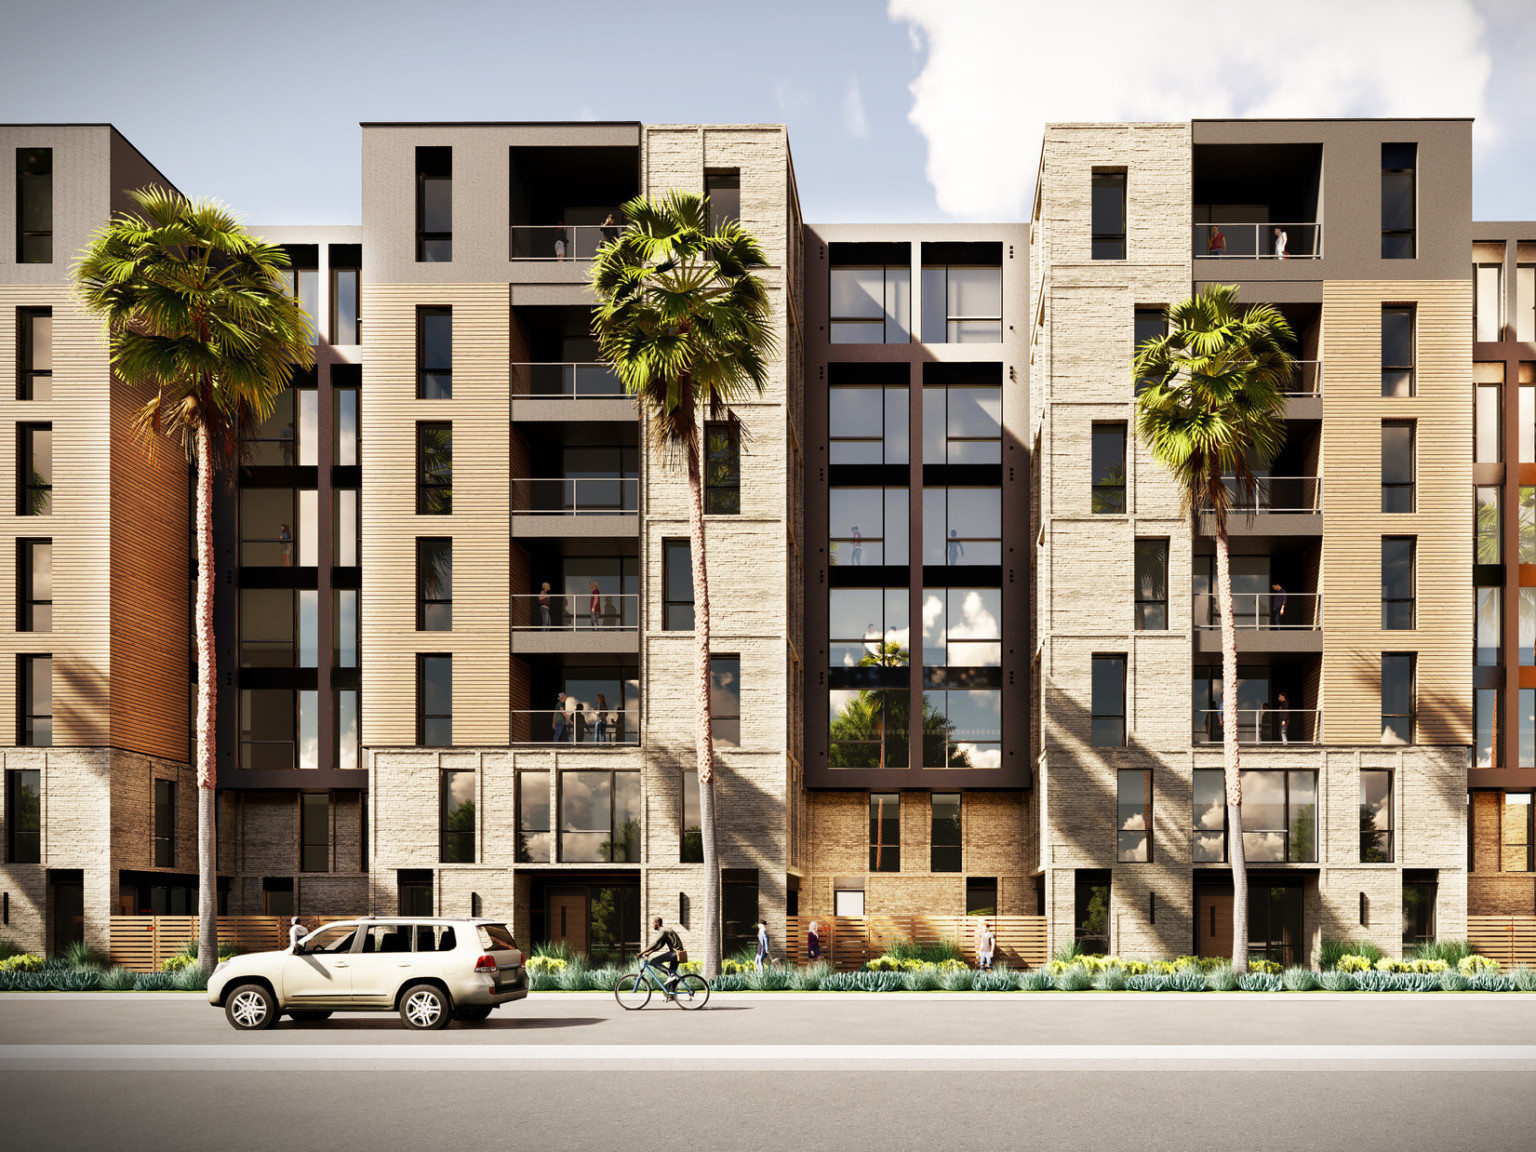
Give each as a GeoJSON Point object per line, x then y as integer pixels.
{"type": "Point", "coordinates": [633, 991]}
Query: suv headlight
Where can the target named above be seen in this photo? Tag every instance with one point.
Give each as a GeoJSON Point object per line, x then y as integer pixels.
{"type": "Point", "coordinates": [219, 966]}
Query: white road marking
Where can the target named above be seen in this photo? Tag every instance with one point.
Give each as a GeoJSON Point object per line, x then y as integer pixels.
{"type": "Point", "coordinates": [256, 1055]}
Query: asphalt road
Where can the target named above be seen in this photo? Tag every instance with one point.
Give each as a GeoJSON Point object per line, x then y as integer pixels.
{"type": "Point", "coordinates": [1099, 1071]}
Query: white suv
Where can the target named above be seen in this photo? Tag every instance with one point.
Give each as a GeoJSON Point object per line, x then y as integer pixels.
{"type": "Point", "coordinates": [430, 970]}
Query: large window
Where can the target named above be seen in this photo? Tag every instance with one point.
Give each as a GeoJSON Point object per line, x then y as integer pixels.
{"type": "Point", "coordinates": [1486, 748]}
{"type": "Point", "coordinates": [434, 584]}
{"type": "Point", "coordinates": [725, 700]}
{"type": "Point", "coordinates": [1489, 627]}
{"type": "Point", "coordinates": [871, 304]}
{"type": "Point", "coordinates": [1108, 215]}
{"type": "Point", "coordinates": [1151, 578]}
{"type": "Point", "coordinates": [315, 831]}
{"type": "Point", "coordinates": [34, 585]}
{"type": "Point", "coordinates": [434, 353]}
{"type": "Point", "coordinates": [346, 273]}
{"type": "Point", "coordinates": [599, 817]}
{"type": "Point", "coordinates": [346, 733]}
{"type": "Point", "coordinates": [962, 304]}
{"type": "Point", "coordinates": [1209, 840]}
{"type": "Point", "coordinates": [724, 191]}
{"type": "Point", "coordinates": [1376, 845]}
{"type": "Point", "coordinates": [165, 824]}
{"type": "Point", "coordinates": [1149, 324]}
{"type": "Point", "coordinates": [945, 849]}
{"type": "Point", "coordinates": [279, 628]}
{"type": "Point", "coordinates": [303, 279]}
{"type": "Point", "coordinates": [963, 727]}
{"type": "Point", "coordinates": [722, 468]}
{"type": "Point", "coordinates": [434, 204]}
{"type": "Point", "coordinates": [1108, 719]}
{"type": "Point", "coordinates": [1398, 208]}
{"type": "Point", "coordinates": [34, 465]}
{"type": "Point", "coordinates": [1487, 448]}
{"type": "Point", "coordinates": [961, 525]}
{"type": "Point", "coordinates": [676, 586]}
{"type": "Point", "coordinates": [962, 424]}
{"type": "Point", "coordinates": [1279, 816]}
{"type": "Point", "coordinates": [1090, 910]}
{"type": "Point", "coordinates": [1487, 525]}
{"type": "Point", "coordinates": [434, 469]}
{"type": "Point", "coordinates": [23, 816]}
{"type": "Point", "coordinates": [1397, 698]}
{"type": "Point", "coordinates": [434, 700]}
{"type": "Point", "coordinates": [868, 726]}
{"type": "Point", "coordinates": [867, 424]}
{"type": "Point", "coordinates": [1133, 817]}
{"type": "Point", "coordinates": [1525, 303]}
{"type": "Point", "coordinates": [1108, 462]}
{"type": "Point", "coordinates": [267, 520]}
{"type": "Point", "coordinates": [34, 205]}
{"type": "Point", "coordinates": [269, 725]}
{"type": "Point", "coordinates": [1527, 627]}
{"type": "Point", "coordinates": [456, 817]}
{"type": "Point", "coordinates": [1418, 912]}
{"type": "Point", "coordinates": [1397, 351]}
{"type": "Point", "coordinates": [962, 627]}
{"type": "Point", "coordinates": [344, 422]}
{"type": "Point", "coordinates": [34, 360]}
{"type": "Point", "coordinates": [691, 841]}
{"type": "Point", "coordinates": [1397, 582]}
{"type": "Point", "coordinates": [868, 526]}
{"type": "Point", "coordinates": [1527, 733]}
{"type": "Point", "coordinates": [533, 829]}
{"type": "Point", "coordinates": [868, 627]}
{"type": "Point", "coordinates": [1488, 302]}
{"type": "Point", "coordinates": [344, 527]}
{"type": "Point", "coordinates": [1526, 527]}
{"type": "Point", "coordinates": [1397, 466]}
{"type": "Point", "coordinates": [885, 831]}
{"type": "Point", "coordinates": [34, 701]}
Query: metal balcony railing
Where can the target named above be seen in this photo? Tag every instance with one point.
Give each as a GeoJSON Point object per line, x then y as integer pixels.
{"type": "Point", "coordinates": [579, 725]}
{"type": "Point", "coordinates": [1258, 241]}
{"type": "Point", "coordinates": [1308, 380]}
{"type": "Point", "coordinates": [584, 496]}
{"type": "Point", "coordinates": [1262, 611]}
{"type": "Point", "coordinates": [564, 381]}
{"type": "Point", "coordinates": [560, 241]}
{"type": "Point", "coordinates": [1276, 494]}
{"type": "Point", "coordinates": [572, 611]}
{"type": "Point", "coordinates": [1259, 725]}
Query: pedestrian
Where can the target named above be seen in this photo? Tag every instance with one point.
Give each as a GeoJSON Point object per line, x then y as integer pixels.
{"type": "Point", "coordinates": [986, 946]}
{"type": "Point", "coordinates": [1216, 241]}
{"type": "Point", "coordinates": [595, 606]}
{"type": "Point", "coordinates": [1277, 600]}
{"type": "Point", "coordinates": [762, 944]}
{"type": "Point", "coordinates": [560, 240]}
{"type": "Point", "coordinates": [544, 605]}
{"type": "Point", "coordinates": [813, 942]}
{"type": "Point", "coordinates": [285, 538]}
{"type": "Point", "coordinates": [601, 731]}
{"type": "Point", "coordinates": [858, 546]}
{"type": "Point", "coordinates": [295, 932]}
{"type": "Point", "coordinates": [1280, 241]}
{"type": "Point", "coordinates": [1283, 707]}
{"type": "Point", "coordinates": [956, 549]}
{"type": "Point", "coordinates": [561, 722]}
{"type": "Point", "coordinates": [610, 229]}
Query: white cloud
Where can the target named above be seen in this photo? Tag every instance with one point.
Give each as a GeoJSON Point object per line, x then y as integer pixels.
{"type": "Point", "coordinates": [854, 119]}
{"type": "Point", "coordinates": [997, 71]}
{"type": "Point", "coordinates": [792, 97]}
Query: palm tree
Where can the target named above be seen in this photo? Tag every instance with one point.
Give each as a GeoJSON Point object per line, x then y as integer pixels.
{"type": "Point", "coordinates": [1212, 410]}
{"type": "Point", "coordinates": [198, 317]}
{"type": "Point", "coordinates": [685, 321]}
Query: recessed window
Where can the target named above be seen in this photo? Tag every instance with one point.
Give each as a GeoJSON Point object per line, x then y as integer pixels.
{"type": "Point", "coordinates": [434, 205]}
{"type": "Point", "coordinates": [677, 586]}
{"type": "Point", "coordinates": [165, 824]}
{"type": "Point", "coordinates": [1108, 215]}
{"type": "Point", "coordinates": [691, 843]}
{"type": "Point", "coordinates": [34, 361]}
{"type": "Point", "coordinates": [1376, 816]}
{"type": "Point", "coordinates": [268, 728]}
{"type": "Point", "coordinates": [1397, 583]}
{"type": "Point", "coordinates": [434, 584]}
{"type": "Point", "coordinates": [434, 353]}
{"type": "Point", "coordinates": [1133, 817]}
{"type": "Point", "coordinates": [1488, 302]}
{"type": "Point", "coordinates": [885, 832]}
{"type": "Point", "coordinates": [599, 817]}
{"type": "Point", "coordinates": [344, 423]}
{"type": "Point", "coordinates": [725, 700]}
{"type": "Point", "coordinates": [962, 303]}
{"type": "Point", "coordinates": [870, 304]}
{"type": "Point", "coordinates": [1488, 425]}
{"type": "Point", "coordinates": [34, 205]}
{"type": "Point", "coordinates": [944, 839]}
{"type": "Point", "coordinates": [344, 527]}
{"type": "Point", "coordinates": [34, 585]}
{"type": "Point", "coordinates": [961, 525]}
{"type": "Point", "coordinates": [868, 726]}
{"type": "Point", "coordinates": [1487, 524]}
{"type": "Point", "coordinates": [1525, 303]}
{"type": "Point", "coordinates": [434, 701]}
{"type": "Point", "coordinates": [962, 627]}
{"type": "Point", "coordinates": [456, 817]}
{"type": "Point", "coordinates": [1280, 817]}
{"type": "Point", "coordinates": [346, 274]}
{"type": "Point", "coordinates": [724, 191]}
{"type": "Point", "coordinates": [1150, 323]}
{"type": "Point", "coordinates": [1516, 838]}
{"type": "Point", "coordinates": [303, 277]}
{"type": "Point", "coordinates": [1108, 718]}
{"type": "Point", "coordinates": [1397, 466]}
{"type": "Point", "coordinates": [23, 816]}
{"type": "Point", "coordinates": [1526, 534]}
{"type": "Point", "coordinates": [1397, 351]}
{"type": "Point", "coordinates": [962, 424]}
{"type": "Point", "coordinates": [533, 829]}
{"type": "Point", "coordinates": [34, 700]}
{"type": "Point", "coordinates": [434, 469]}
{"type": "Point", "coordinates": [347, 745]}
{"type": "Point", "coordinates": [870, 526]}
{"type": "Point", "coordinates": [314, 832]}
{"type": "Point", "coordinates": [1397, 698]}
{"type": "Point", "coordinates": [1151, 577]}
{"type": "Point", "coordinates": [1090, 910]}
{"type": "Point", "coordinates": [1399, 208]}
{"type": "Point", "coordinates": [1486, 729]}
{"type": "Point", "coordinates": [1209, 840]}
{"type": "Point", "coordinates": [867, 424]}
{"type": "Point", "coordinates": [722, 468]}
{"type": "Point", "coordinates": [1108, 464]}
{"type": "Point", "coordinates": [1488, 626]}
{"type": "Point", "coordinates": [34, 463]}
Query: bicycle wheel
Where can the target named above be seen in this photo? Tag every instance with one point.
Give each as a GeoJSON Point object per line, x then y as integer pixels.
{"type": "Point", "coordinates": [632, 991]}
{"type": "Point", "coordinates": [692, 991]}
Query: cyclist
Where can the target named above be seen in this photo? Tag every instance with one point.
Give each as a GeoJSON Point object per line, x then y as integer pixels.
{"type": "Point", "coordinates": [664, 951]}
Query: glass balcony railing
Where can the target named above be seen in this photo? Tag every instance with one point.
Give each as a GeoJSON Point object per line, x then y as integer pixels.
{"type": "Point", "coordinates": [558, 242]}
{"type": "Point", "coordinates": [1259, 725]}
{"type": "Point", "coordinates": [583, 496]}
{"type": "Point", "coordinates": [584, 725]}
{"type": "Point", "coordinates": [555, 381]}
{"type": "Point", "coordinates": [1288, 494]}
{"type": "Point", "coordinates": [1262, 611]}
{"type": "Point", "coordinates": [573, 612]}
{"type": "Point", "coordinates": [1256, 241]}
{"type": "Point", "coordinates": [1308, 379]}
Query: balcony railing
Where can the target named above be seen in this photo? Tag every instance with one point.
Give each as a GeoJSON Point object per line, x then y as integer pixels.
{"type": "Point", "coordinates": [572, 611]}
{"type": "Point", "coordinates": [585, 496]}
{"type": "Point", "coordinates": [1262, 611]}
{"type": "Point", "coordinates": [1259, 725]}
{"type": "Point", "coordinates": [1258, 241]}
{"type": "Point", "coordinates": [1275, 494]}
{"type": "Point", "coordinates": [555, 381]}
{"type": "Point", "coordinates": [560, 242]}
{"type": "Point", "coordinates": [1308, 380]}
{"type": "Point", "coordinates": [582, 725]}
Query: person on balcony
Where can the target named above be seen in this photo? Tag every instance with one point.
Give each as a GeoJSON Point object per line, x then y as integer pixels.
{"type": "Point", "coordinates": [1283, 715]}
{"type": "Point", "coordinates": [610, 229]}
{"type": "Point", "coordinates": [562, 725]}
{"type": "Point", "coordinates": [600, 732]}
{"type": "Point", "coordinates": [544, 605]}
{"type": "Point", "coordinates": [1280, 241]}
{"type": "Point", "coordinates": [858, 547]}
{"type": "Point", "coordinates": [560, 240]}
{"type": "Point", "coordinates": [1277, 600]}
{"type": "Point", "coordinates": [1216, 241]}
{"type": "Point", "coordinates": [595, 607]}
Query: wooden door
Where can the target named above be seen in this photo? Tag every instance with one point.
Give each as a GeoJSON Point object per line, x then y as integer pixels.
{"type": "Point", "coordinates": [1213, 922]}
{"type": "Point", "coordinates": [568, 918]}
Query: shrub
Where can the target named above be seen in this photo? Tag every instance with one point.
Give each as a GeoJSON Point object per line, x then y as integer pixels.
{"type": "Point", "coordinates": [8, 949]}
{"type": "Point", "coordinates": [1259, 982]}
{"type": "Point", "coordinates": [1066, 954]}
{"type": "Point", "coordinates": [1332, 951]}
{"type": "Point", "coordinates": [1475, 965]}
{"type": "Point", "coordinates": [1265, 967]}
{"type": "Point", "coordinates": [1489, 982]}
{"type": "Point", "coordinates": [537, 963]}
{"type": "Point", "coordinates": [1146, 982]}
{"type": "Point", "coordinates": [82, 955]}
{"type": "Point", "coordinates": [1221, 979]}
{"type": "Point", "coordinates": [862, 982]}
{"type": "Point", "coordinates": [1298, 980]}
{"type": "Point", "coordinates": [118, 980]}
{"type": "Point", "coordinates": [932, 952]}
{"type": "Point", "coordinates": [154, 982]}
{"type": "Point", "coordinates": [773, 978]}
{"type": "Point", "coordinates": [1354, 963]}
{"type": "Point", "coordinates": [8, 981]}
{"type": "Point", "coordinates": [925, 979]}
{"type": "Point", "coordinates": [1523, 979]}
{"type": "Point", "coordinates": [1378, 980]}
{"type": "Point", "coordinates": [558, 950]}
{"type": "Point", "coordinates": [1188, 979]}
{"type": "Point", "coordinates": [730, 982]}
{"type": "Point", "coordinates": [1075, 979]}
{"type": "Point", "coordinates": [603, 979]}
{"type": "Point", "coordinates": [1419, 981]}
{"type": "Point", "coordinates": [956, 979]}
{"type": "Point", "coordinates": [1451, 952]}
{"type": "Point", "coordinates": [1452, 981]}
{"type": "Point", "coordinates": [1111, 979]}
{"type": "Point", "coordinates": [22, 962]}
{"type": "Point", "coordinates": [1336, 980]}
{"type": "Point", "coordinates": [1000, 979]}
{"type": "Point", "coordinates": [191, 979]}
{"type": "Point", "coordinates": [543, 980]}
{"type": "Point", "coordinates": [1039, 980]}
{"type": "Point", "coordinates": [809, 978]}
{"type": "Point", "coordinates": [573, 977]}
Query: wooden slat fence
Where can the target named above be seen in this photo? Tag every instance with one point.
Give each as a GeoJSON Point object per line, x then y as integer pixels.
{"type": "Point", "coordinates": [1510, 940]}
{"type": "Point", "coordinates": [848, 942]}
{"type": "Point", "coordinates": [143, 943]}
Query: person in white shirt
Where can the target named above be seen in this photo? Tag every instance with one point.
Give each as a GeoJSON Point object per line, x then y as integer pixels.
{"type": "Point", "coordinates": [296, 932]}
{"type": "Point", "coordinates": [1280, 241]}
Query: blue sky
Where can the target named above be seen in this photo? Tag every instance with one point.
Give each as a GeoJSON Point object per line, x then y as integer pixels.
{"type": "Point", "coordinates": [907, 109]}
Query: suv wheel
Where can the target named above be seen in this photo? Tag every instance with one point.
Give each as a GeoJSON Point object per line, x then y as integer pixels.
{"type": "Point", "coordinates": [425, 1006]}
{"type": "Point", "coordinates": [250, 1008]}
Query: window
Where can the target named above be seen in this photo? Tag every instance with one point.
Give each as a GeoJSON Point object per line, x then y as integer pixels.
{"type": "Point", "coordinates": [1397, 352]}
{"type": "Point", "coordinates": [34, 684]}
{"type": "Point", "coordinates": [1398, 209]}
{"type": "Point", "coordinates": [434, 205]}
{"type": "Point", "coordinates": [963, 727]}
{"type": "Point", "coordinates": [722, 468]}
{"type": "Point", "coordinates": [34, 585]}
{"type": "Point", "coordinates": [268, 628]}
{"type": "Point", "coordinates": [1516, 838]}
{"type": "Point", "coordinates": [309, 728]}
{"type": "Point", "coordinates": [315, 832]}
{"type": "Point", "coordinates": [1525, 303]}
{"type": "Point", "coordinates": [1150, 323]}
{"type": "Point", "coordinates": [1418, 913]}
{"type": "Point", "coordinates": [885, 832]}
{"type": "Point", "coordinates": [34, 361]}
{"type": "Point", "coordinates": [34, 205]}
{"type": "Point", "coordinates": [677, 586]}
{"type": "Point", "coordinates": [1397, 583]}
{"type": "Point", "coordinates": [960, 526]}
{"type": "Point", "coordinates": [346, 733]}
{"type": "Point", "coordinates": [962, 304]}
{"type": "Point", "coordinates": [344, 424]}
{"type": "Point", "coordinates": [738, 909]}
{"type": "Point", "coordinates": [1397, 466]}
{"type": "Point", "coordinates": [268, 728]}
{"type": "Point", "coordinates": [344, 626]}
{"type": "Point", "coordinates": [1109, 468]}
{"type": "Point", "coordinates": [1280, 816]}
{"type": "Point", "coordinates": [868, 726]}
{"type": "Point", "coordinates": [867, 424]}
{"type": "Point", "coordinates": [1488, 306]}
{"type": "Point", "coordinates": [1133, 817]}
{"type": "Point", "coordinates": [1376, 816]}
{"type": "Point", "coordinates": [434, 469]}
{"type": "Point", "coordinates": [1108, 701]}
{"type": "Point", "coordinates": [869, 526]}
{"type": "Point", "coordinates": [1487, 448]}
{"type": "Point", "coordinates": [165, 824]}
{"type": "Point", "coordinates": [1527, 420]}
{"type": "Point", "coordinates": [1151, 578]}
{"type": "Point", "coordinates": [346, 271]}
{"type": "Point", "coordinates": [962, 424]}
{"type": "Point", "coordinates": [1486, 751]}
{"type": "Point", "coordinates": [1527, 629]}
{"type": "Point", "coordinates": [456, 817]}
{"type": "Point", "coordinates": [414, 887]}
{"type": "Point", "coordinates": [944, 853]}
{"type": "Point", "coordinates": [599, 817]}
{"type": "Point", "coordinates": [434, 584]}
{"type": "Point", "coordinates": [1090, 918]}
{"type": "Point", "coordinates": [1209, 842]}
{"type": "Point", "coordinates": [533, 838]}
{"type": "Point", "coordinates": [434, 353]}
{"type": "Point", "coordinates": [870, 304]}
{"type": "Point", "coordinates": [434, 701]}
{"type": "Point", "coordinates": [1489, 627]}
{"type": "Point", "coordinates": [868, 627]}
{"type": "Point", "coordinates": [1487, 525]}
{"type": "Point", "coordinates": [34, 461]}
{"type": "Point", "coordinates": [1526, 529]}
{"type": "Point", "coordinates": [277, 895]}
{"type": "Point", "coordinates": [724, 192]}
{"type": "Point", "coordinates": [24, 816]}
{"type": "Point", "coordinates": [962, 627]}
{"type": "Point", "coordinates": [1397, 697]}
{"type": "Point", "coordinates": [692, 839]}
{"type": "Point", "coordinates": [981, 895]}
{"type": "Point", "coordinates": [344, 527]}
{"type": "Point", "coordinates": [725, 700]}
{"type": "Point", "coordinates": [1108, 192]}
{"type": "Point", "coordinates": [303, 279]}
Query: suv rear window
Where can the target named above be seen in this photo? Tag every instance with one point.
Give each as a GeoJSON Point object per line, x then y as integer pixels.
{"type": "Point", "coordinates": [496, 938]}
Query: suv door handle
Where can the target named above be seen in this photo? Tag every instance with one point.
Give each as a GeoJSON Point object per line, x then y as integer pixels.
{"type": "Point", "coordinates": [342, 964]}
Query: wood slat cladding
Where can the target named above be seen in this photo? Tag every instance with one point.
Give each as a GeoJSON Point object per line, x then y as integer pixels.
{"type": "Point", "coordinates": [480, 525]}
{"type": "Point", "coordinates": [118, 524]}
{"type": "Point", "coordinates": [1353, 409]}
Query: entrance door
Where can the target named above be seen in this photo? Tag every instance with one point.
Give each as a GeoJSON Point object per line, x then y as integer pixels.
{"type": "Point", "coordinates": [1274, 923]}
{"type": "Point", "coordinates": [1213, 922]}
{"type": "Point", "coordinates": [66, 891]}
{"type": "Point", "coordinates": [567, 919]}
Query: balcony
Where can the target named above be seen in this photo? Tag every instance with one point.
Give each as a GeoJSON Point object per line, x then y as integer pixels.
{"type": "Point", "coordinates": [561, 243]}
{"type": "Point", "coordinates": [576, 506]}
{"type": "Point", "coordinates": [560, 199]}
{"type": "Point", "coordinates": [1260, 725]}
{"type": "Point", "coordinates": [595, 704]}
{"type": "Point", "coordinates": [567, 623]}
{"type": "Point", "coordinates": [1276, 505]}
{"type": "Point", "coordinates": [1246, 197]}
{"type": "Point", "coordinates": [1253, 240]}
{"type": "Point", "coordinates": [554, 392]}
{"type": "Point", "coordinates": [583, 724]}
{"type": "Point", "coordinates": [1265, 621]}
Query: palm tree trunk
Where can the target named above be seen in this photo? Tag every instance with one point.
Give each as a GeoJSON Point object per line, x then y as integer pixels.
{"type": "Point", "coordinates": [207, 683]}
{"type": "Point", "coordinates": [1229, 753]}
{"type": "Point", "coordinates": [703, 720]}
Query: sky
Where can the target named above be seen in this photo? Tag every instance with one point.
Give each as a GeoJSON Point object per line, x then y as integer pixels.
{"type": "Point", "coordinates": [915, 110]}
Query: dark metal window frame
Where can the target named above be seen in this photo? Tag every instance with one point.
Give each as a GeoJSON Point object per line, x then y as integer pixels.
{"type": "Point", "coordinates": [613, 824]}
{"type": "Point", "coordinates": [22, 177]}
{"type": "Point", "coordinates": [1413, 688]}
{"type": "Point", "coordinates": [1372, 839]}
{"type": "Point", "coordinates": [722, 449]}
{"type": "Point", "coordinates": [463, 843]}
{"type": "Point", "coordinates": [1096, 715]}
{"type": "Point", "coordinates": [671, 597]}
{"type": "Point", "coordinates": [422, 715]}
{"type": "Point", "coordinates": [1145, 315]}
{"type": "Point", "coordinates": [1413, 581]}
{"type": "Point", "coordinates": [884, 857]}
{"type": "Point", "coordinates": [1105, 178]}
{"type": "Point", "coordinates": [423, 370]}
{"type": "Point", "coordinates": [945, 851]}
{"type": "Point", "coordinates": [722, 180]}
{"type": "Point", "coordinates": [429, 166]}
{"type": "Point", "coordinates": [338, 321]}
{"type": "Point", "coordinates": [716, 716]}
{"type": "Point", "coordinates": [165, 824]}
{"type": "Point", "coordinates": [23, 839]}
{"type": "Point", "coordinates": [27, 373]}
{"type": "Point", "coordinates": [1413, 349]}
{"type": "Point", "coordinates": [32, 497]}
{"type": "Point", "coordinates": [1410, 485]}
{"type": "Point", "coordinates": [27, 601]}
{"type": "Point", "coordinates": [434, 484]}
{"type": "Point", "coordinates": [307, 840]}
{"type": "Point", "coordinates": [428, 597]}
{"type": "Point", "coordinates": [27, 721]}
{"type": "Point", "coordinates": [1146, 605]}
{"type": "Point", "coordinates": [1122, 854]}
{"type": "Point", "coordinates": [1107, 499]}
{"type": "Point", "coordinates": [525, 826]}
{"type": "Point", "coordinates": [1413, 174]}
